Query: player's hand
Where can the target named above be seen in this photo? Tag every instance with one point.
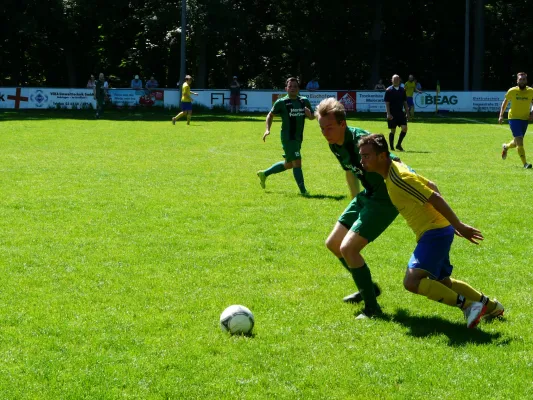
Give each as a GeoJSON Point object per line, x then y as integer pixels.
{"type": "Point", "coordinates": [265, 135]}
{"type": "Point", "coordinates": [469, 233]}
{"type": "Point", "coordinates": [308, 113]}
{"type": "Point", "coordinates": [500, 119]}
{"type": "Point", "coordinates": [389, 116]}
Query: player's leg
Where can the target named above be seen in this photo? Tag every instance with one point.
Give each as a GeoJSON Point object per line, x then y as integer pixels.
{"type": "Point", "coordinates": [276, 168]}
{"type": "Point", "coordinates": [334, 241]}
{"type": "Point", "coordinates": [494, 307]}
{"type": "Point", "coordinates": [411, 105]}
{"type": "Point", "coordinates": [189, 115]}
{"type": "Point", "coordinates": [428, 270]}
{"type": "Point", "coordinates": [402, 120]}
{"type": "Point", "coordinates": [293, 159]}
{"type": "Point", "coordinates": [374, 217]}
{"type": "Point", "coordinates": [392, 126]}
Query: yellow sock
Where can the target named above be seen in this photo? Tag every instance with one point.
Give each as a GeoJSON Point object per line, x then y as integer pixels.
{"type": "Point", "coordinates": [521, 153]}
{"type": "Point", "coordinates": [436, 291]}
{"type": "Point", "coordinates": [511, 144]}
{"type": "Point", "coordinates": [466, 290]}
{"type": "Point", "coordinates": [472, 294]}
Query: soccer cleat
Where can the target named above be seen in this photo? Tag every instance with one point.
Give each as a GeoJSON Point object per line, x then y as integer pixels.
{"type": "Point", "coordinates": [528, 166]}
{"type": "Point", "coordinates": [173, 120]}
{"type": "Point", "coordinates": [305, 194]}
{"type": "Point", "coordinates": [399, 147]}
{"type": "Point", "coordinates": [504, 151]}
{"type": "Point", "coordinates": [473, 313]}
{"type": "Point", "coordinates": [356, 297]}
{"type": "Point", "coordinates": [369, 313]}
{"type": "Point", "coordinates": [496, 313]}
{"type": "Point", "coordinates": [262, 178]}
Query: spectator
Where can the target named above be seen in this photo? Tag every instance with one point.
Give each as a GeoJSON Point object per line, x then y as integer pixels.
{"type": "Point", "coordinates": [235, 95]}
{"type": "Point", "coordinates": [152, 83]}
{"type": "Point", "coordinates": [312, 85]}
{"type": "Point", "coordinates": [136, 83]}
{"type": "Point", "coordinates": [380, 85]}
{"type": "Point", "coordinates": [99, 95]}
{"type": "Point", "coordinates": [91, 82]}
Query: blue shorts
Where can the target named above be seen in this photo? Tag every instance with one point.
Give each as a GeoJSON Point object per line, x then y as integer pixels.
{"type": "Point", "coordinates": [410, 102]}
{"type": "Point", "coordinates": [432, 253]}
{"type": "Point", "coordinates": [518, 127]}
{"type": "Point", "coordinates": [186, 106]}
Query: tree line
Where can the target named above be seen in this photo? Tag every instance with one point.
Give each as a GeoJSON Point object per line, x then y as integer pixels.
{"type": "Point", "coordinates": [346, 44]}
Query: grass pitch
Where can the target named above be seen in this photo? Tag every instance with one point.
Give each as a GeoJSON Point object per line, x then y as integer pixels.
{"type": "Point", "coordinates": [123, 239]}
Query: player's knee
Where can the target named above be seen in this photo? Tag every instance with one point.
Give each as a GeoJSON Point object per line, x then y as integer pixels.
{"type": "Point", "coordinates": [333, 245]}
{"type": "Point", "coordinates": [411, 284]}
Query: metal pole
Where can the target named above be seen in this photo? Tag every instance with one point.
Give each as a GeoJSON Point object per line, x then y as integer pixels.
{"type": "Point", "coordinates": [183, 37]}
{"type": "Point", "coordinates": [466, 76]}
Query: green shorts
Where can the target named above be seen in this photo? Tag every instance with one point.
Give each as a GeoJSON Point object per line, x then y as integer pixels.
{"type": "Point", "coordinates": [368, 216]}
{"type": "Point", "coordinates": [292, 150]}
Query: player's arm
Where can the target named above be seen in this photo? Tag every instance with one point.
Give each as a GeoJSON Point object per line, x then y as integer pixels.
{"type": "Point", "coordinates": [468, 232]}
{"type": "Point", "coordinates": [308, 113]}
{"type": "Point", "coordinates": [387, 106]}
{"type": "Point", "coordinates": [269, 119]}
{"type": "Point", "coordinates": [433, 186]}
{"type": "Point", "coordinates": [502, 110]}
{"type": "Point", "coordinates": [353, 183]}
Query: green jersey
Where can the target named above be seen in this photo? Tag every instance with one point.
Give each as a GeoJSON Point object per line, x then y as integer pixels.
{"type": "Point", "coordinates": [349, 158]}
{"type": "Point", "coordinates": [292, 112]}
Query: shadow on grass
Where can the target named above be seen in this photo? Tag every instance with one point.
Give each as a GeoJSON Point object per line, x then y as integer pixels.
{"type": "Point", "coordinates": [325, 196]}
{"type": "Point", "coordinates": [160, 114]}
{"type": "Point", "coordinates": [458, 334]}
{"type": "Point", "coordinates": [123, 115]}
{"type": "Point", "coordinates": [432, 118]}
{"type": "Point", "coordinates": [313, 196]}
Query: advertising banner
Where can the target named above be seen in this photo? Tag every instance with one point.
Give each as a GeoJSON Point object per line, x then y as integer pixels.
{"type": "Point", "coordinates": [251, 100]}
{"type": "Point", "coordinates": [14, 98]}
{"type": "Point", "coordinates": [133, 98]}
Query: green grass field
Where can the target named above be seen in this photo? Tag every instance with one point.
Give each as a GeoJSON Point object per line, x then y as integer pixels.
{"type": "Point", "coordinates": [123, 239]}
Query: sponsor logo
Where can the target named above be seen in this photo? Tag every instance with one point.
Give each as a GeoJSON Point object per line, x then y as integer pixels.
{"type": "Point", "coordinates": [425, 100]}
{"type": "Point", "coordinates": [347, 99]}
{"type": "Point", "coordinates": [39, 98]}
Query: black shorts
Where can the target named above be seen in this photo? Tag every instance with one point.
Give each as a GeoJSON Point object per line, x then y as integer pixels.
{"type": "Point", "coordinates": [397, 120]}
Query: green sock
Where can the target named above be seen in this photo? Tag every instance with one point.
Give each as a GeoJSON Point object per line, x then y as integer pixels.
{"type": "Point", "coordinates": [276, 168]}
{"type": "Point", "coordinates": [345, 264]}
{"type": "Point", "coordinates": [363, 280]}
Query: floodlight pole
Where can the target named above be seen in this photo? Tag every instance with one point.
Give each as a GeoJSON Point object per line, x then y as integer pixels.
{"type": "Point", "coordinates": [183, 41]}
{"type": "Point", "coordinates": [466, 76]}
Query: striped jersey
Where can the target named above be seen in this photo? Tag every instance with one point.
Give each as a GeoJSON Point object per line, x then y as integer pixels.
{"type": "Point", "coordinates": [409, 193]}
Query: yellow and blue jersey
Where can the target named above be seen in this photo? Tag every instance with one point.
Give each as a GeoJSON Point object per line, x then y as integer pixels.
{"type": "Point", "coordinates": [186, 93]}
{"type": "Point", "coordinates": [410, 87]}
{"type": "Point", "coordinates": [520, 102]}
{"type": "Point", "coordinates": [409, 193]}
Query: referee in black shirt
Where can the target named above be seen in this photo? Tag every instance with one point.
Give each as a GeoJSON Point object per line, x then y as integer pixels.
{"type": "Point", "coordinates": [396, 102]}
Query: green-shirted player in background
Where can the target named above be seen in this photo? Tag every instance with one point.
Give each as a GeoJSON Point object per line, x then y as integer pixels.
{"type": "Point", "coordinates": [520, 97]}
{"type": "Point", "coordinates": [293, 110]}
{"type": "Point", "coordinates": [369, 213]}
{"type": "Point", "coordinates": [434, 224]}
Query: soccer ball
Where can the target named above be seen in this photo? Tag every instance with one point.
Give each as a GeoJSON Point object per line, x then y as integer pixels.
{"type": "Point", "coordinates": [237, 319]}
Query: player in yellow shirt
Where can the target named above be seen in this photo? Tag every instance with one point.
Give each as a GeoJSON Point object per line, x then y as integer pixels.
{"type": "Point", "coordinates": [410, 87]}
{"type": "Point", "coordinates": [521, 97]}
{"type": "Point", "coordinates": [419, 201]}
{"type": "Point", "coordinates": [186, 101]}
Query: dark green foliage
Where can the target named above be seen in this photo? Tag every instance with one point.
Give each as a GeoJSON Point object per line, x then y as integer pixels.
{"type": "Point", "coordinates": [345, 44]}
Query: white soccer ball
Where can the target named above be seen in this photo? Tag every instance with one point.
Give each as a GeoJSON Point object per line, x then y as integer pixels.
{"type": "Point", "coordinates": [237, 319]}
